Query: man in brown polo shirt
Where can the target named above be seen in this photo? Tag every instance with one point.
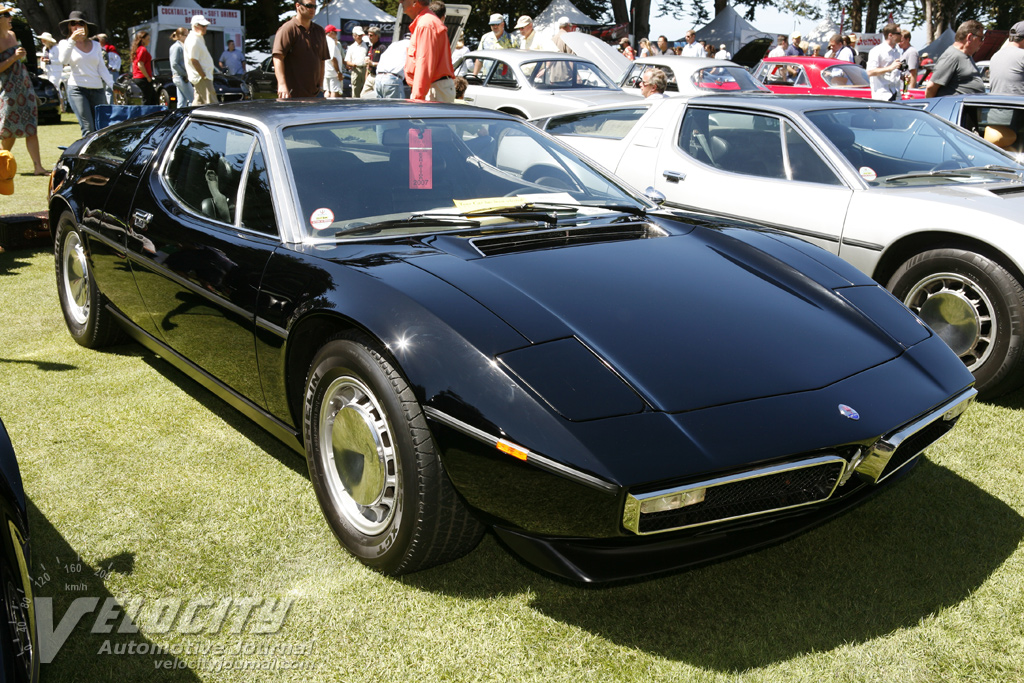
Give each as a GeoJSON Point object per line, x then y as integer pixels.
{"type": "Point", "coordinates": [300, 49]}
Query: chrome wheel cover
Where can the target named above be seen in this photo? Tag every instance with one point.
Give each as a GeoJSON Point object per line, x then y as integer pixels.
{"type": "Point", "coordinates": [960, 313]}
{"type": "Point", "coordinates": [358, 456]}
{"type": "Point", "coordinates": [75, 278]}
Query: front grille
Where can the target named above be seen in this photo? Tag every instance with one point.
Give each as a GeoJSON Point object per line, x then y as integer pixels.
{"type": "Point", "coordinates": [750, 493]}
{"type": "Point", "coordinates": [564, 237]}
{"type": "Point", "coordinates": [915, 444]}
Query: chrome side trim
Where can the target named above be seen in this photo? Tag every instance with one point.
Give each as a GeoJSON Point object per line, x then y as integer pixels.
{"type": "Point", "coordinates": [745, 219]}
{"type": "Point", "coordinates": [536, 459]}
{"type": "Point", "coordinates": [882, 451]}
{"type": "Point", "coordinates": [631, 513]}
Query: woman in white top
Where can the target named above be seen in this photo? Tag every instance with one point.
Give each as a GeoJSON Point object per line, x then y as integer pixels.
{"type": "Point", "coordinates": [90, 81]}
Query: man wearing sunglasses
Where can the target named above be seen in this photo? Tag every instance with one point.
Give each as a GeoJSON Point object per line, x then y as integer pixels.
{"type": "Point", "coordinates": [300, 49]}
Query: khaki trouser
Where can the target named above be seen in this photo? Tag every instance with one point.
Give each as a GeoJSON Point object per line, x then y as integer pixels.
{"type": "Point", "coordinates": [205, 94]}
{"type": "Point", "coordinates": [441, 91]}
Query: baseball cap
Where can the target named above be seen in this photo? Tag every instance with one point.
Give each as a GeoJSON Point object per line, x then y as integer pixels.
{"type": "Point", "coordinates": [199, 19]}
{"type": "Point", "coordinates": [496, 19]}
{"type": "Point", "coordinates": [524, 21]}
{"type": "Point", "coordinates": [564, 21]}
{"type": "Point", "coordinates": [330, 28]}
{"type": "Point", "coordinates": [358, 31]}
{"type": "Point", "coordinates": [1017, 31]}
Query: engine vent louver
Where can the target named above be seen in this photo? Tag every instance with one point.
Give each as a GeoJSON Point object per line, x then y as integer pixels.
{"type": "Point", "coordinates": [554, 238]}
{"type": "Point", "coordinates": [1012, 191]}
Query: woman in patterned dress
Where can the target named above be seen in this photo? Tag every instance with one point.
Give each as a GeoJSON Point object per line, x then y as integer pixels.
{"type": "Point", "coordinates": [18, 113]}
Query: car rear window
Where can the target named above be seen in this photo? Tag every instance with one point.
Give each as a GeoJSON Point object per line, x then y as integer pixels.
{"type": "Point", "coordinates": [613, 124]}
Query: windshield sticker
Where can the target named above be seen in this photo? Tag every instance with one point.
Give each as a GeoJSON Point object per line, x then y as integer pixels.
{"type": "Point", "coordinates": [321, 219]}
{"type": "Point", "coordinates": [484, 203]}
{"type": "Point", "coordinates": [421, 159]}
{"type": "Point", "coordinates": [867, 173]}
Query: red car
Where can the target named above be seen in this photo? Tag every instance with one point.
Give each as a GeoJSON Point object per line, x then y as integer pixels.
{"type": "Point", "coordinates": [818, 76]}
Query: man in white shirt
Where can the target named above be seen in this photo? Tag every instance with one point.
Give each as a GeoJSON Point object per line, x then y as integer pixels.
{"type": "Point", "coordinates": [390, 81]}
{"type": "Point", "coordinates": [884, 65]}
{"type": "Point", "coordinates": [723, 53]}
{"type": "Point", "coordinates": [691, 49]}
{"type": "Point", "coordinates": [780, 49]}
{"type": "Point", "coordinates": [333, 85]}
{"type": "Point", "coordinates": [529, 38]}
{"type": "Point", "coordinates": [199, 62]}
{"type": "Point", "coordinates": [355, 60]}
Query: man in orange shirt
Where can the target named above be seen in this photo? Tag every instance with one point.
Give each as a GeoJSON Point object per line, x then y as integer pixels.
{"type": "Point", "coordinates": [428, 66]}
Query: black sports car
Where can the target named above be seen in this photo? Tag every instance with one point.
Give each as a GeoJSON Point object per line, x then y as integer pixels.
{"type": "Point", "coordinates": [262, 81]}
{"type": "Point", "coordinates": [462, 324]}
{"type": "Point", "coordinates": [229, 88]}
{"type": "Point", "coordinates": [47, 99]}
{"type": "Point", "coordinates": [19, 645]}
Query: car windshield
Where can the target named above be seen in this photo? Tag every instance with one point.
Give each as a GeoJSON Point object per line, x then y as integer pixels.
{"type": "Point", "coordinates": [903, 146]}
{"type": "Point", "coordinates": [725, 78]}
{"type": "Point", "coordinates": [561, 74]}
{"type": "Point", "coordinates": [357, 173]}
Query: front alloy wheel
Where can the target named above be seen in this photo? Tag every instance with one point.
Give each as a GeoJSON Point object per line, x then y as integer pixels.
{"type": "Point", "coordinates": [83, 305]}
{"type": "Point", "coordinates": [974, 305]}
{"type": "Point", "coordinates": [373, 463]}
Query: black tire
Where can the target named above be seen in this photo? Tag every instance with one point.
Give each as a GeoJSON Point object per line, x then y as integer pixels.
{"type": "Point", "coordinates": [976, 306]}
{"type": "Point", "coordinates": [84, 307]}
{"type": "Point", "coordinates": [374, 465]}
{"type": "Point", "coordinates": [164, 98]}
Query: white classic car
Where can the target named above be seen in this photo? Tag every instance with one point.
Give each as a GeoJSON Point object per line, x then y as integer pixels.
{"type": "Point", "coordinates": [928, 210]}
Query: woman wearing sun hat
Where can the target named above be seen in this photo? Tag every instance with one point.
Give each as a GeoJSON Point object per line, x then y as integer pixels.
{"type": "Point", "coordinates": [18, 113]}
{"type": "Point", "coordinates": [90, 79]}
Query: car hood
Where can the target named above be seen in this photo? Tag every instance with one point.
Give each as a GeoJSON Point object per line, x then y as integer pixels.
{"type": "Point", "coordinates": [612, 62]}
{"type": "Point", "coordinates": [690, 321]}
{"type": "Point", "coordinates": [589, 97]}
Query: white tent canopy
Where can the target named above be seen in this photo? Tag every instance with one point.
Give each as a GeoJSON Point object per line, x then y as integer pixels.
{"type": "Point", "coordinates": [548, 19]}
{"type": "Point", "coordinates": [225, 25]}
{"type": "Point", "coordinates": [347, 14]}
{"type": "Point", "coordinates": [821, 34]}
{"type": "Point", "coordinates": [731, 29]}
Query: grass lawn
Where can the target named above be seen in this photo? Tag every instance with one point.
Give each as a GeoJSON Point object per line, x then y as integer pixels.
{"type": "Point", "coordinates": [146, 489]}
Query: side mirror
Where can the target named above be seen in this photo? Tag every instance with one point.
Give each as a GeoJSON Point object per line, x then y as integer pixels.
{"type": "Point", "coordinates": [654, 195]}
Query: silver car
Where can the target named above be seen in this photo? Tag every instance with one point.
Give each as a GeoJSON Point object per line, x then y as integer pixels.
{"type": "Point", "coordinates": [925, 208]}
{"type": "Point", "coordinates": [531, 84]}
{"type": "Point", "coordinates": [692, 75]}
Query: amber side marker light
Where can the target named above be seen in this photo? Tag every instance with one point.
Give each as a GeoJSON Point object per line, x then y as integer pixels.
{"type": "Point", "coordinates": [517, 452]}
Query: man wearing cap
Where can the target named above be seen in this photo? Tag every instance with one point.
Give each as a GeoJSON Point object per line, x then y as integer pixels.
{"type": "Point", "coordinates": [529, 39]}
{"type": "Point", "coordinates": [428, 64]}
{"type": "Point", "coordinates": [199, 62]}
{"type": "Point", "coordinates": [51, 59]}
{"type": "Point", "coordinates": [498, 38]}
{"type": "Point", "coordinates": [332, 65]}
{"type": "Point", "coordinates": [564, 27]}
{"type": "Point", "coordinates": [300, 53]}
{"type": "Point", "coordinates": [1006, 70]}
{"type": "Point", "coordinates": [355, 61]}
{"type": "Point", "coordinates": [794, 49]}
{"type": "Point", "coordinates": [374, 50]}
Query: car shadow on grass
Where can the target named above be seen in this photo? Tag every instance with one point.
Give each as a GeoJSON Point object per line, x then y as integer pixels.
{"type": "Point", "coordinates": [914, 550]}
{"type": "Point", "coordinates": [12, 261]}
{"type": "Point", "coordinates": [61, 575]}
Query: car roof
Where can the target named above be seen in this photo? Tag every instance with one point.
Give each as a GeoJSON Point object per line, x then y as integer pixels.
{"type": "Point", "coordinates": [810, 61]}
{"type": "Point", "coordinates": [679, 62]}
{"type": "Point", "coordinates": [515, 56]}
{"type": "Point", "coordinates": [276, 113]}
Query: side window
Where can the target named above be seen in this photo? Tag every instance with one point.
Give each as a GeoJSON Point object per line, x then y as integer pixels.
{"type": "Point", "coordinates": [257, 206]}
{"type": "Point", "coordinates": [502, 76]}
{"type": "Point", "coordinates": [800, 78]}
{"type": "Point", "coordinates": [744, 143]}
{"type": "Point", "coordinates": [633, 79]}
{"type": "Point", "coordinates": [205, 171]}
{"type": "Point", "coordinates": [1002, 127]}
{"type": "Point", "coordinates": [477, 72]}
{"type": "Point", "coordinates": [117, 143]}
{"type": "Point", "coordinates": [614, 124]}
{"type": "Point", "coordinates": [805, 164]}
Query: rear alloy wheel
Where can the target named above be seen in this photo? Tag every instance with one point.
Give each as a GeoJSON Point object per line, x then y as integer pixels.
{"type": "Point", "coordinates": [85, 313]}
{"type": "Point", "coordinates": [374, 466]}
{"type": "Point", "coordinates": [976, 306]}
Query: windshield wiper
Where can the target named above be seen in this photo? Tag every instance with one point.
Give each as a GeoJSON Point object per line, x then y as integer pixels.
{"type": "Point", "coordinates": [414, 221]}
{"type": "Point", "coordinates": [541, 209]}
{"type": "Point", "coordinates": [996, 168]}
{"type": "Point", "coordinates": [958, 173]}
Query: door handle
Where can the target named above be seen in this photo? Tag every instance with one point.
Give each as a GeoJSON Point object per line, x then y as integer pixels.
{"type": "Point", "coordinates": [140, 219]}
{"type": "Point", "coordinates": [467, 99]}
{"type": "Point", "coordinates": [674, 176]}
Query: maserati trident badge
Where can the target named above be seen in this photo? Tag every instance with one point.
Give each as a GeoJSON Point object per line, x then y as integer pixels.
{"type": "Point", "coordinates": [847, 411]}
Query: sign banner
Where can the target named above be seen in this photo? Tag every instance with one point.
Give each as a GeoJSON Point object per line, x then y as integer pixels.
{"type": "Point", "coordinates": [183, 15]}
